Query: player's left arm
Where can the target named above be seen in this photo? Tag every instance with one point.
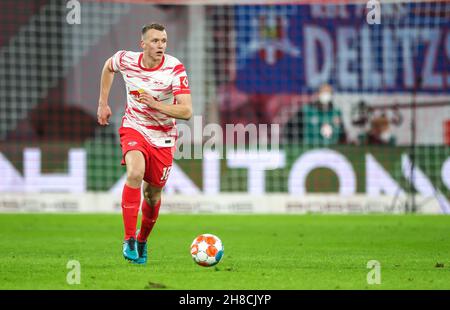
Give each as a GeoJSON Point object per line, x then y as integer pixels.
{"type": "Point", "coordinates": [181, 110]}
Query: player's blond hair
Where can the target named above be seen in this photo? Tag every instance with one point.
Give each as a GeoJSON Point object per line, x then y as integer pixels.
{"type": "Point", "coordinates": [155, 26]}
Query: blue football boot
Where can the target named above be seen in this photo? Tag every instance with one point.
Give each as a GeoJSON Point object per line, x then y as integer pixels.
{"type": "Point", "coordinates": [130, 249]}
{"type": "Point", "coordinates": [142, 251]}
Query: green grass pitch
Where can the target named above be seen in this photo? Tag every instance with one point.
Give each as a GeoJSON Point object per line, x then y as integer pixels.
{"type": "Point", "coordinates": [261, 252]}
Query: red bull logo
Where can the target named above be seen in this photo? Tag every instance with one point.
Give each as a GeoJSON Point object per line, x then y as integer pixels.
{"type": "Point", "coordinates": [136, 93]}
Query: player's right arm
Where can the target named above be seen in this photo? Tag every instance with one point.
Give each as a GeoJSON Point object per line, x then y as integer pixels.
{"type": "Point", "coordinates": [104, 111]}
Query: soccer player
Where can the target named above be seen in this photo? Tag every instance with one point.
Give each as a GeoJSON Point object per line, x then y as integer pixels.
{"type": "Point", "coordinates": [157, 94]}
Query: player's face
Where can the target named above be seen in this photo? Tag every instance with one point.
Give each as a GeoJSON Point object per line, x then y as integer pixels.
{"type": "Point", "coordinates": [154, 43]}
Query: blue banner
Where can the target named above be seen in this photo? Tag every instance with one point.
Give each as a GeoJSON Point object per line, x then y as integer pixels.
{"type": "Point", "coordinates": [297, 48]}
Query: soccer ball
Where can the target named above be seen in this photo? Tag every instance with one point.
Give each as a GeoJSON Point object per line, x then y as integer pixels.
{"type": "Point", "coordinates": [207, 250]}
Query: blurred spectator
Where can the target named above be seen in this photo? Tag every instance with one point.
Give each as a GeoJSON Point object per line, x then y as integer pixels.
{"type": "Point", "coordinates": [381, 130]}
{"type": "Point", "coordinates": [376, 127]}
{"type": "Point", "coordinates": [361, 114]}
{"type": "Point", "coordinates": [317, 123]}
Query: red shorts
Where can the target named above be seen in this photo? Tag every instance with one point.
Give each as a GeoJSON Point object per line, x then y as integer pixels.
{"type": "Point", "coordinates": [158, 160]}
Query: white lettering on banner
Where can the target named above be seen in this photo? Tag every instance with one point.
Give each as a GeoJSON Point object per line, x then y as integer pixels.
{"type": "Point", "coordinates": [445, 173]}
{"type": "Point", "coordinates": [371, 77]}
{"type": "Point", "coordinates": [322, 158]}
{"type": "Point", "coordinates": [378, 180]}
{"type": "Point", "coordinates": [315, 36]}
{"type": "Point", "coordinates": [11, 180]}
{"type": "Point", "coordinates": [73, 182]}
{"type": "Point", "coordinates": [211, 172]}
{"type": "Point", "coordinates": [419, 181]}
{"type": "Point", "coordinates": [389, 59]}
{"type": "Point", "coordinates": [348, 57]}
{"type": "Point", "coordinates": [178, 182]}
{"type": "Point", "coordinates": [422, 183]}
{"type": "Point", "coordinates": [378, 68]}
{"type": "Point", "coordinates": [405, 37]}
{"type": "Point", "coordinates": [256, 163]}
{"type": "Point", "coordinates": [431, 79]}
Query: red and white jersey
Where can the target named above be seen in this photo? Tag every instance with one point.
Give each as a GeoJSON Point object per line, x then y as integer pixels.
{"type": "Point", "coordinates": [164, 82]}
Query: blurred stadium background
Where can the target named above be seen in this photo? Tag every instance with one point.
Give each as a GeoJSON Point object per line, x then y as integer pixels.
{"type": "Point", "coordinates": [382, 144]}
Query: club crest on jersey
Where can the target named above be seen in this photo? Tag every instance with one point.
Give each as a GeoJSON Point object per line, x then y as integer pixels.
{"type": "Point", "coordinates": [184, 82]}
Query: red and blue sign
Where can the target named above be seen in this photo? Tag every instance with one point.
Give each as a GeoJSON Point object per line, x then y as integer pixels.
{"type": "Point", "coordinates": [297, 48]}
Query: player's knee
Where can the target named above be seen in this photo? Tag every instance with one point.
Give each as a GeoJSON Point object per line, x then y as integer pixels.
{"type": "Point", "coordinates": [151, 200]}
{"type": "Point", "coordinates": [154, 197]}
{"type": "Point", "coordinates": [135, 176]}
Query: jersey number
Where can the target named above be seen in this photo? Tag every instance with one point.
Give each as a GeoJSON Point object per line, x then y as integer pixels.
{"type": "Point", "coordinates": [165, 174]}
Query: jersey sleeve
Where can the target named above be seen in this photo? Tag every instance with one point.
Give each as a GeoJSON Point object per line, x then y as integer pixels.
{"type": "Point", "coordinates": [180, 84]}
{"type": "Point", "coordinates": [116, 62]}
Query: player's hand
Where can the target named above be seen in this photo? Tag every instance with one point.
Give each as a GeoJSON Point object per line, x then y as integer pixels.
{"type": "Point", "coordinates": [148, 100]}
{"type": "Point", "coordinates": [103, 114]}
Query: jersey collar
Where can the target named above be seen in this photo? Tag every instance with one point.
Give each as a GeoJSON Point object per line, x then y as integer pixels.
{"type": "Point", "coordinates": [150, 69]}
